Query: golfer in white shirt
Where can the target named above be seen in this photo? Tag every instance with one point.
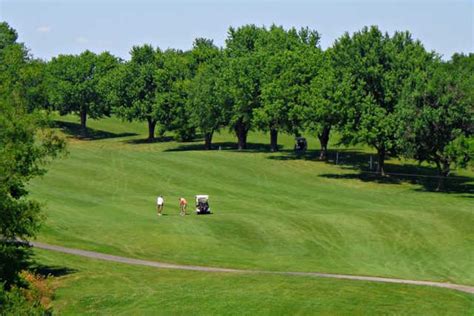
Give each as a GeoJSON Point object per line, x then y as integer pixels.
{"type": "Point", "coordinates": [160, 202]}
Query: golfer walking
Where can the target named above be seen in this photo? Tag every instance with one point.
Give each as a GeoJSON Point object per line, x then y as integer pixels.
{"type": "Point", "coordinates": [182, 206]}
{"type": "Point", "coordinates": [160, 202]}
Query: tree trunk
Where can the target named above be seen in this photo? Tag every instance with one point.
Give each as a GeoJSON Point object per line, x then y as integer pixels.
{"type": "Point", "coordinates": [443, 172]}
{"type": "Point", "coordinates": [241, 133]}
{"type": "Point", "coordinates": [273, 140]}
{"type": "Point", "coordinates": [242, 140]}
{"type": "Point", "coordinates": [208, 140]}
{"type": "Point", "coordinates": [151, 129]}
{"type": "Point", "coordinates": [83, 115]}
{"type": "Point", "coordinates": [381, 162]}
{"type": "Point", "coordinates": [324, 140]}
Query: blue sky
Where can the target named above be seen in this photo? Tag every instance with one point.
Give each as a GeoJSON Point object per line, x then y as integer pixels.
{"type": "Point", "coordinates": [52, 27]}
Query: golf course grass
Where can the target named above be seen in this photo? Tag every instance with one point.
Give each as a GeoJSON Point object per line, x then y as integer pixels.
{"type": "Point", "coordinates": [97, 287]}
{"type": "Point", "coordinates": [273, 211]}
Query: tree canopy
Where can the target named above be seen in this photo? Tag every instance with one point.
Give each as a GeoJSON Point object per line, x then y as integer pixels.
{"type": "Point", "coordinates": [290, 59]}
{"type": "Point", "coordinates": [133, 87]}
{"type": "Point", "coordinates": [75, 82]}
{"type": "Point", "coordinates": [379, 64]}
{"type": "Point", "coordinates": [436, 115]}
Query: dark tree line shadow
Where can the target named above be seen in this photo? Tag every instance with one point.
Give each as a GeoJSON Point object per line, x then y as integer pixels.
{"type": "Point", "coordinates": [228, 146]}
{"type": "Point", "coordinates": [424, 176]}
{"type": "Point", "coordinates": [159, 139]}
{"type": "Point", "coordinates": [74, 130]}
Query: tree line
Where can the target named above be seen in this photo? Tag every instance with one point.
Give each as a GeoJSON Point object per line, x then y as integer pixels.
{"type": "Point", "coordinates": [385, 91]}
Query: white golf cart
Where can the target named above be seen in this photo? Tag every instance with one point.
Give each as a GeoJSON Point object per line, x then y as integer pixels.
{"type": "Point", "coordinates": [202, 205]}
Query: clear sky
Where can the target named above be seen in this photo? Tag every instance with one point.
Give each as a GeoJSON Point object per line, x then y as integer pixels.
{"type": "Point", "coordinates": [52, 27]}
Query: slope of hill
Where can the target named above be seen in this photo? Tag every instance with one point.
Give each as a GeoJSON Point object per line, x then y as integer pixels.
{"type": "Point", "coordinates": [273, 211]}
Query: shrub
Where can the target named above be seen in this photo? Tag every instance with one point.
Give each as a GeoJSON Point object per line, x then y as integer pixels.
{"type": "Point", "coordinates": [34, 298]}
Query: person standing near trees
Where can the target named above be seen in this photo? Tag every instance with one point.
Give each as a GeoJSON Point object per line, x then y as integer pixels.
{"type": "Point", "coordinates": [182, 206]}
{"type": "Point", "coordinates": [160, 202]}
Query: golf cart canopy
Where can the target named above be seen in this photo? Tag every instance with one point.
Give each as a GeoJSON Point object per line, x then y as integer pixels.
{"type": "Point", "coordinates": [202, 198]}
{"type": "Point", "coordinates": [202, 204]}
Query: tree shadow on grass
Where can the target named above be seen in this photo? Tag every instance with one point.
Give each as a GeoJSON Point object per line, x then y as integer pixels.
{"type": "Point", "coordinates": [345, 158]}
{"type": "Point", "coordinates": [228, 146]}
{"type": "Point", "coordinates": [55, 271]}
{"type": "Point", "coordinates": [463, 185]}
{"type": "Point", "coordinates": [425, 176]}
{"type": "Point", "coordinates": [160, 139]}
{"type": "Point", "coordinates": [74, 130]}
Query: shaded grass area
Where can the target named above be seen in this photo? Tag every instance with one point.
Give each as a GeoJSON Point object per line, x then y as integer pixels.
{"type": "Point", "coordinates": [73, 129]}
{"type": "Point", "coordinates": [450, 185]}
{"type": "Point", "coordinates": [232, 146]}
{"type": "Point", "coordinates": [407, 172]}
{"type": "Point", "coordinates": [108, 288]}
{"type": "Point", "coordinates": [272, 211]}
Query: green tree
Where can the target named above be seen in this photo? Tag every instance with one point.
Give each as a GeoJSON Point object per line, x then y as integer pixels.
{"type": "Point", "coordinates": [75, 84]}
{"type": "Point", "coordinates": [325, 101]}
{"type": "Point", "coordinates": [242, 75]}
{"type": "Point", "coordinates": [153, 87]}
{"type": "Point", "coordinates": [290, 60]}
{"type": "Point", "coordinates": [207, 100]}
{"type": "Point", "coordinates": [26, 145]}
{"type": "Point", "coordinates": [133, 88]}
{"type": "Point", "coordinates": [173, 80]}
{"type": "Point", "coordinates": [379, 64]}
{"type": "Point", "coordinates": [436, 115]}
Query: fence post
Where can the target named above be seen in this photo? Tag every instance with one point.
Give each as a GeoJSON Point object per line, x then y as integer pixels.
{"type": "Point", "coordinates": [337, 157]}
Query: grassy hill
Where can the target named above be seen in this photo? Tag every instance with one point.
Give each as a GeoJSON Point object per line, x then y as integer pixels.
{"type": "Point", "coordinates": [273, 211]}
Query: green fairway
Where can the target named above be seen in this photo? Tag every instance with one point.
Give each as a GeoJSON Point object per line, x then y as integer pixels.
{"type": "Point", "coordinates": [91, 286]}
{"type": "Point", "coordinates": [272, 211]}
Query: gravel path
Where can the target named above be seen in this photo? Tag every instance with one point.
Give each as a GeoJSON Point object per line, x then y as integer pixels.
{"type": "Point", "coordinates": [102, 256]}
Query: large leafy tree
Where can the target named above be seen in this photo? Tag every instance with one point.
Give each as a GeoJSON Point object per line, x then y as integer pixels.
{"type": "Point", "coordinates": [75, 84]}
{"type": "Point", "coordinates": [173, 80]}
{"type": "Point", "coordinates": [436, 115]}
{"type": "Point", "coordinates": [21, 76]}
{"type": "Point", "coordinates": [379, 65]}
{"type": "Point", "coordinates": [133, 87]}
{"type": "Point", "coordinates": [207, 101]}
{"type": "Point", "coordinates": [242, 75]}
{"type": "Point", "coordinates": [152, 87]}
{"type": "Point", "coordinates": [325, 101]}
{"type": "Point", "coordinates": [26, 145]}
{"type": "Point", "coordinates": [290, 60]}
